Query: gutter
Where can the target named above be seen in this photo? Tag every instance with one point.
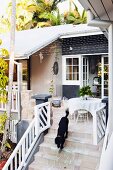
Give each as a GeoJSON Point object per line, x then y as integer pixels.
{"type": "Point", "coordinates": [92, 21]}
{"type": "Point", "coordinates": [102, 24]}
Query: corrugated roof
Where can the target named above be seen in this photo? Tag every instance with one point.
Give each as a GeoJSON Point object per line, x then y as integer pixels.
{"type": "Point", "coordinates": [30, 41]}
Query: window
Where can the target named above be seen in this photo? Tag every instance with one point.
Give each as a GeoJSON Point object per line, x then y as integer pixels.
{"type": "Point", "coordinates": [24, 70]}
{"type": "Point", "coordinates": [105, 76]}
{"type": "Point", "coordinates": [71, 70]}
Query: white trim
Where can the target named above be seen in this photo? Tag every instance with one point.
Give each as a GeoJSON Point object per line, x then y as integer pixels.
{"type": "Point", "coordinates": [102, 69]}
{"type": "Point", "coordinates": [86, 54]}
{"type": "Point", "coordinates": [81, 71]}
{"type": "Point", "coordinates": [86, 67]}
{"type": "Point", "coordinates": [102, 81]}
{"type": "Point", "coordinates": [82, 34]}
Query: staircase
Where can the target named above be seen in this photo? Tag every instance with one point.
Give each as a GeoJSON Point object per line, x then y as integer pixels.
{"type": "Point", "coordinates": [78, 154]}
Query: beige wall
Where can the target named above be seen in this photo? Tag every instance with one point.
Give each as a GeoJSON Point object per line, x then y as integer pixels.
{"type": "Point", "coordinates": [42, 74]}
{"type": "Point", "coordinates": [27, 105]}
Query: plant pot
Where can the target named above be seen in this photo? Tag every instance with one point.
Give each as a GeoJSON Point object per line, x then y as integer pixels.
{"type": "Point", "coordinates": [2, 163]}
{"type": "Point", "coordinates": [85, 97]}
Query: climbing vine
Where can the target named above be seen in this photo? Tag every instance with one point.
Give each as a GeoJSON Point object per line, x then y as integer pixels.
{"type": "Point", "coordinates": [3, 83]}
{"type": "Point", "coordinates": [3, 80]}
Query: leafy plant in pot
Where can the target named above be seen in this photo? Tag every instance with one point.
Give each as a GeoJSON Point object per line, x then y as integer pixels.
{"type": "Point", "coordinates": [85, 92]}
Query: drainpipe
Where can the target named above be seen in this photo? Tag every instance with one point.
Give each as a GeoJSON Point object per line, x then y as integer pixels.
{"type": "Point", "coordinates": [106, 25]}
{"type": "Point", "coordinates": [106, 152]}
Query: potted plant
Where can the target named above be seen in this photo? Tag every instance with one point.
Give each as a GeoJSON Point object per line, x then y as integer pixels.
{"type": "Point", "coordinates": [85, 92]}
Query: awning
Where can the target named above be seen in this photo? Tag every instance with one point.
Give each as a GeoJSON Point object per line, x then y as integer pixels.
{"type": "Point", "coordinates": [28, 42]}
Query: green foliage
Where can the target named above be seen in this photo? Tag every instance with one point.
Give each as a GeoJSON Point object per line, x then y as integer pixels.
{"type": "Point", "coordinates": [40, 13]}
{"type": "Point", "coordinates": [47, 13]}
{"type": "Point", "coordinates": [74, 17]}
{"type": "Point", "coordinates": [3, 118]}
{"type": "Point", "coordinates": [3, 80]}
{"type": "Point", "coordinates": [3, 94]}
{"type": "Point", "coordinates": [86, 90]}
{"type": "Point", "coordinates": [7, 145]}
{"type": "Point", "coordinates": [51, 89]}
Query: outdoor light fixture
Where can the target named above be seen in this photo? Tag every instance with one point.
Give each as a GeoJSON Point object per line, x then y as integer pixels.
{"type": "Point", "coordinates": [41, 57]}
{"type": "Point", "coordinates": [70, 48]}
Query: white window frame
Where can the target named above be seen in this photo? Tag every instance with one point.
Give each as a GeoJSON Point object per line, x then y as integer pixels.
{"type": "Point", "coordinates": [102, 80]}
{"type": "Point", "coordinates": [70, 82]}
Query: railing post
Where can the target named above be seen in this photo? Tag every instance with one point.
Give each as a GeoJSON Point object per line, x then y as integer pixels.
{"type": "Point", "coordinates": [23, 152]}
{"type": "Point", "coordinates": [19, 80]}
{"type": "Point", "coordinates": [37, 127]}
{"type": "Point", "coordinates": [95, 129]}
{"type": "Point", "coordinates": [48, 115]}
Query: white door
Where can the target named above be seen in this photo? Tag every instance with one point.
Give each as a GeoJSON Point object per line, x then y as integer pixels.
{"type": "Point", "coordinates": [85, 71]}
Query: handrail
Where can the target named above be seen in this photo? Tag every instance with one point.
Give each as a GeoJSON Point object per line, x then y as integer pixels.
{"type": "Point", "coordinates": [99, 124]}
{"type": "Point", "coordinates": [21, 153]}
{"type": "Point", "coordinates": [15, 100]}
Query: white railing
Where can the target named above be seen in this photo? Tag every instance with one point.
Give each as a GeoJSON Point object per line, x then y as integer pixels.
{"type": "Point", "coordinates": [14, 105]}
{"type": "Point", "coordinates": [99, 123]}
{"type": "Point", "coordinates": [40, 123]}
{"type": "Point", "coordinates": [16, 93]}
{"type": "Point", "coordinates": [13, 130]}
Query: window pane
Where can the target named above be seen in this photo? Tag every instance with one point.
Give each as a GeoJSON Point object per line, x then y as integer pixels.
{"type": "Point", "coordinates": [84, 62]}
{"type": "Point", "coordinates": [83, 69]}
{"type": "Point", "coordinates": [84, 76]}
{"type": "Point", "coordinates": [105, 92]}
{"type": "Point", "coordinates": [68, 61]}
{"type": "Point", "coordinates": [105, 60]}
{"type": "Point", "coordinates": [75, 61]}
{"type": "Point", "coordinates": [69, 69]}
{"type": "Point", "coordinates": [75, 69]}
{"type": "Point", "coordinates": [75, 76]}
{"type": "Point", "coordinates": [68, 76]}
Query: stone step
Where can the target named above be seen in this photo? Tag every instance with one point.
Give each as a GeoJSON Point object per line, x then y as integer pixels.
{"type": "Point", "coordinates": [50, 162]}
{"type": "Point", "coordinates": [68, 157]}
{"type": "Point", "coordinates": [52, 149]}
{"type": "Point", "coordinates": [50, 138]}
{"type": "Point", "coordinates": [72, 161]}
{"type": "Point", "coordinates": [42, 166]}
{"type": "Point", "coordinates": [72, 142]}
{"type": "Point", "coordinates": [71, 133]}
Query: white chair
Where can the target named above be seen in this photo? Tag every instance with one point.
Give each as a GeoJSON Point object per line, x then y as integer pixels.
{"type": "Point", "coordinates": [82, 115]}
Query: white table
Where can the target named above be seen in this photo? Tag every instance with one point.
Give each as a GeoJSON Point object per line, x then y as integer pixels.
{"type": "Point", "coordinates": [91, 104]}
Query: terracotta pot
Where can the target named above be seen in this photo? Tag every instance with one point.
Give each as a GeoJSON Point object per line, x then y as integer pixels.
{"type": "Point", "coordinates": [2, 163]}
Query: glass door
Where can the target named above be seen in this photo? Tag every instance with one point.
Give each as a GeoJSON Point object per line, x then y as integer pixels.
{"type": "Point", "coordinates": [85, 71]}
{"type": "Point", "coordinates": [105, 70]}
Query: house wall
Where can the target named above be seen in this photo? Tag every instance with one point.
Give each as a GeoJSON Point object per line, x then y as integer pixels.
{"type": "Point", "coordinates": [94, 44]}
{"type": "Point", "coordinates": [42, 72]}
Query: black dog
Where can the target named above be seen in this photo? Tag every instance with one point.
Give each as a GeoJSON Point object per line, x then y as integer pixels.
{"type": "Point", "coordinates": [62, 133]}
